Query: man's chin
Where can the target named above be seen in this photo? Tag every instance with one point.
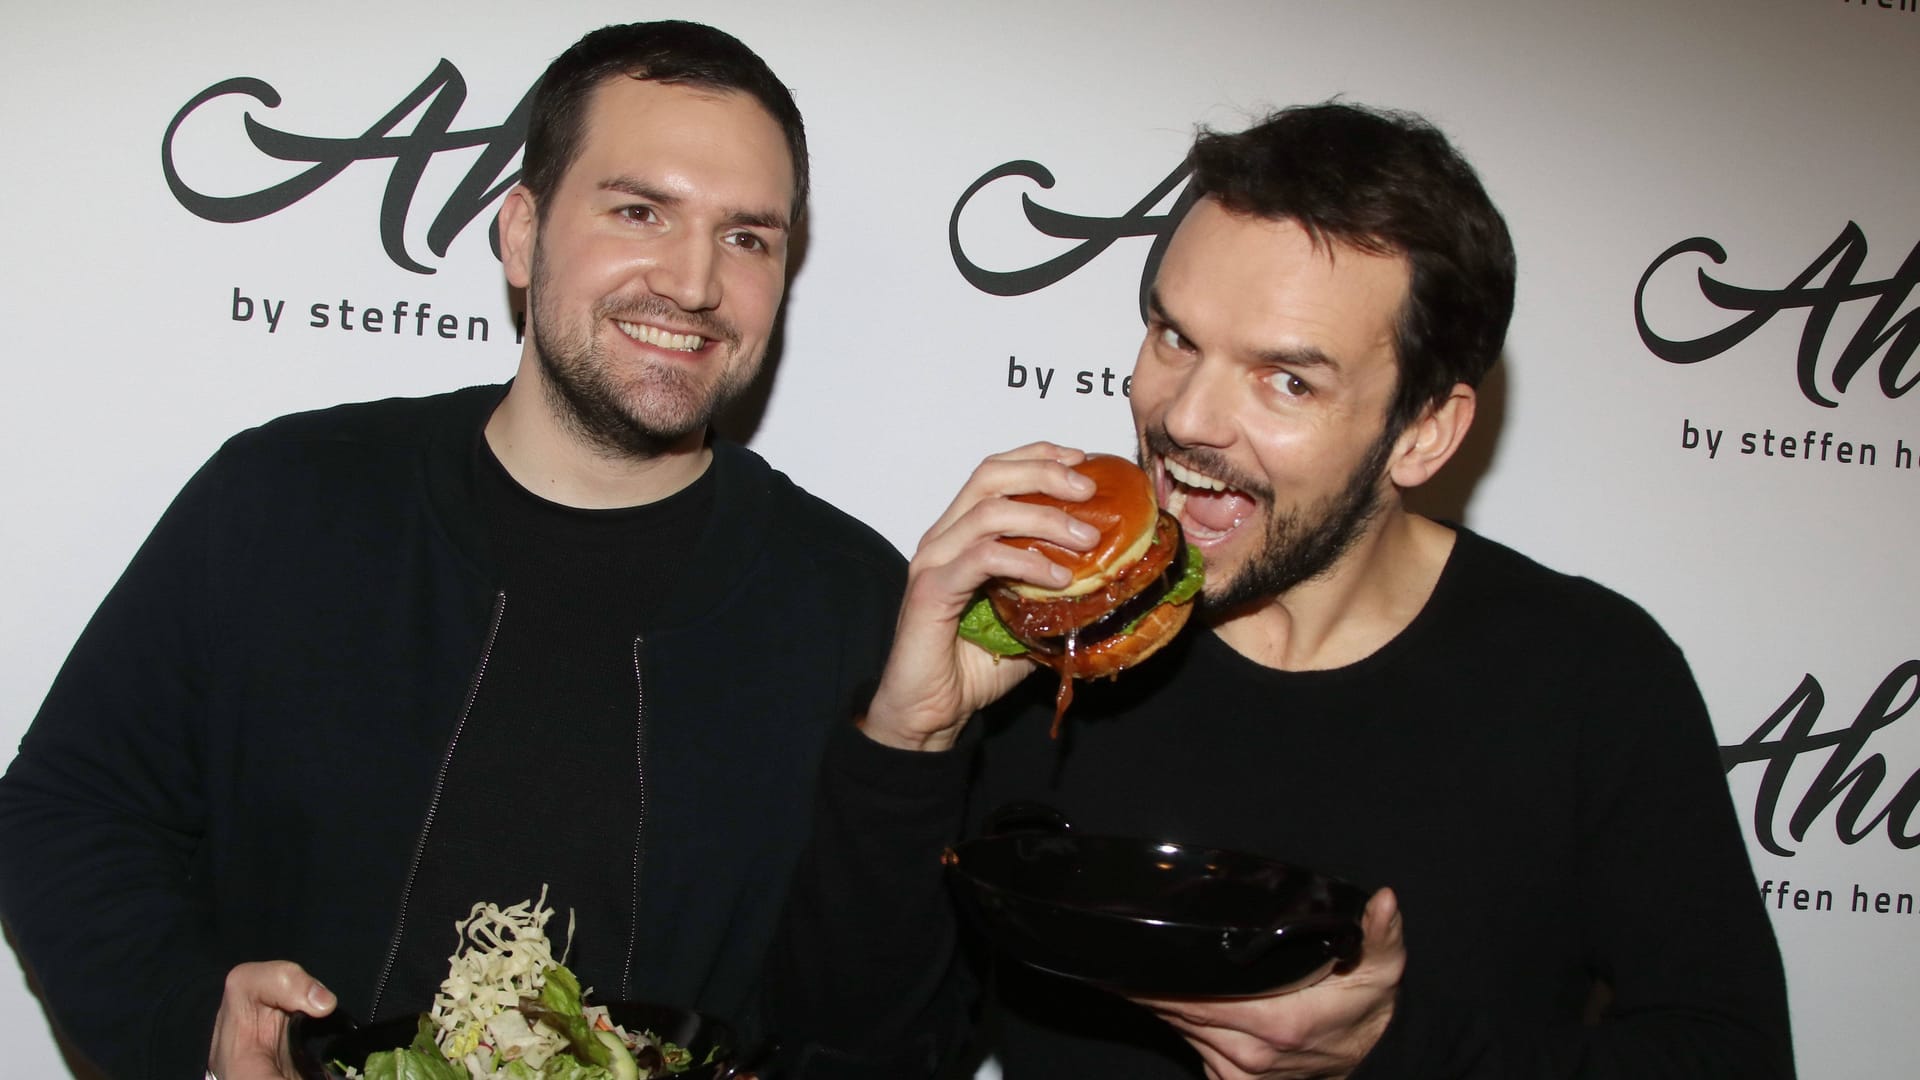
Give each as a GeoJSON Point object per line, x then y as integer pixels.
{"type": "Point", "coordinates": [656, 433]}
{"type": "Point", "coordinates": [1247, 569]}
{"type": "Point", "coordinates": [657, 413]}
{"type": "Point", "coordinates": [1225, 590]}
{"type": "Point", "coordinates": [1217, 605]}
{"type": "Point", "coordinates": [623, 428]}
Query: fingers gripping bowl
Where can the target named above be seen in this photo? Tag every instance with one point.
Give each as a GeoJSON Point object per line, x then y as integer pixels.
{"type": "Point", "coordinates": [1129, 595]}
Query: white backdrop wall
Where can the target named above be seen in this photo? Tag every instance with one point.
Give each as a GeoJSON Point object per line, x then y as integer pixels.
{"type": "Point", "coordinates": [1759, 499]}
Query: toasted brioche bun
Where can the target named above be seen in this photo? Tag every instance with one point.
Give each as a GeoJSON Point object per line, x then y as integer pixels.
{"type": "Point", "coordinates": [1122, 507]}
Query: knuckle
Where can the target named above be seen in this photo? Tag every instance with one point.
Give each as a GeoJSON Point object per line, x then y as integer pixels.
{"type": "Point", "coordinates": [1253, 1064]}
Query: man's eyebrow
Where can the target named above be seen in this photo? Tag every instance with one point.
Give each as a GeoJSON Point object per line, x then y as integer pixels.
{"type": "Point", "coordinates": [758, 219]}
{"type": "Point", "coordinates": [641, 189]}
{"type": "Point", "coordinates": [1297, 356]}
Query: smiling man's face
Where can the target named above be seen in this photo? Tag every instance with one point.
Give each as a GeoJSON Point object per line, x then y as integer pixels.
{"type": "Point", "coordinates": [658, 263]}
{"type": "Point", "coordinates": [1261, 395]}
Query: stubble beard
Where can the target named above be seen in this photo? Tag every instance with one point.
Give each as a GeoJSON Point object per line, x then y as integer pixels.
{"type": "Point", "coordinates": [1296, 545]}
{"type": "Point", "coordinates": [647, 411]}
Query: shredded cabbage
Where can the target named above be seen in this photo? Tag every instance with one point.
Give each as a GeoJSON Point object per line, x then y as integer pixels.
{"type": "Point", "coordinates": [503, 956]}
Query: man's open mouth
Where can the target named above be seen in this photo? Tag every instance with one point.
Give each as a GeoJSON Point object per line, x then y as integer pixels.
{"type": "Point", "coordinates": [1208, 508]}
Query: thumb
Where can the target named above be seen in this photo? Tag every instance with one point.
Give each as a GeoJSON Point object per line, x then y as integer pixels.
{"type": "Point", "coordinates": [1380, 922]}
{"type": "Point", "coordinates": [286, 986]}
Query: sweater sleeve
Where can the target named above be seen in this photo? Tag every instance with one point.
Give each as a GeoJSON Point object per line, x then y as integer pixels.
{"type": "Point", "coordinates": [864, 965]}
{"type": "Point", "coordinates": [1673, 927]}
{"type": "Point", "coordinates": [102, 811]}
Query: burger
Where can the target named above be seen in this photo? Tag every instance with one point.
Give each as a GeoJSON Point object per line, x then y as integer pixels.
{"type": "Point", "coordinates": [1130, 593]}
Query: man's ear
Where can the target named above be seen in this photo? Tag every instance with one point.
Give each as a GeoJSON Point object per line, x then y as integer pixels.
{"type": "Point", "coordinates": [1432, 438]}
{"type": "Point", "coordinates": [519, 228]}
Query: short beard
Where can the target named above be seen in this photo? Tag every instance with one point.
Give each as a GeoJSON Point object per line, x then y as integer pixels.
{"type": "Point", "coordinates": [655, 409]}
{"type": "Point", "coordinates": [1297, 545]}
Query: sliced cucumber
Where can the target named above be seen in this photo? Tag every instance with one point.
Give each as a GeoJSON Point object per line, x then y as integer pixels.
{"type": "Point", "coordinates": [619, 1058]}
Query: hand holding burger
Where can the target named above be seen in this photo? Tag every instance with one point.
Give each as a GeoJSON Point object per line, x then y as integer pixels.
{"type": "Point", "coordinates": [1128, 596]}
{"type": "Point", "coordinates": [990, 536]}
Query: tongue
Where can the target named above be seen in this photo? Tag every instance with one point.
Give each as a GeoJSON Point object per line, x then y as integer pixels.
{"type": "Point", "coordinates": [1216, 511]}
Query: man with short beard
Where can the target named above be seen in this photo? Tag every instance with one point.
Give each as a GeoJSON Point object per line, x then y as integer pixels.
{"type": "Point", "coordinates": [1516, 763]}
{"type": "Point", "coordinates": [383, 662]}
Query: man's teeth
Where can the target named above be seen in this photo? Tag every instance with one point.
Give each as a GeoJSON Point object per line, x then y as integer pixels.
{"type": "Point", "coordinates": [653, 335]}
{"type": "Point", "coordinates": [1192, 479]}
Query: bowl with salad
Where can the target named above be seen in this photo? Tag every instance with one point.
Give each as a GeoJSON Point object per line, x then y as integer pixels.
{"type": "Point", "coordinates": [510, 1010]}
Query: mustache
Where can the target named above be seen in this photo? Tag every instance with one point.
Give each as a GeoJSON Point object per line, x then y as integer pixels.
{"type": "Point", "coordinates": [657, 309]}
{"type": "Point", "coordinates": [1211, 462]}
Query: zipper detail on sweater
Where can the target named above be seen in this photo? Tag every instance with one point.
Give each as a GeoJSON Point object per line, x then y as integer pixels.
{"type": "Point", "coordinates": [640, 826]}
{"type": "Point", "coordinates": [433, 804]}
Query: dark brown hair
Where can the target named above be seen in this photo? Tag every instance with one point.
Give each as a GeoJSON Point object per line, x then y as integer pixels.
{"type": "Point", "coordinates": [1388, 183]}
{"type": "Point", "coordinates": [666, 52]}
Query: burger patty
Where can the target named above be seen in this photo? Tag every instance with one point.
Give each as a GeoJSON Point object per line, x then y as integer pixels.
{"type": "Point", "coordinates": [1110, 624]}
{"type": "Point", "coordinates": [1042, 625]}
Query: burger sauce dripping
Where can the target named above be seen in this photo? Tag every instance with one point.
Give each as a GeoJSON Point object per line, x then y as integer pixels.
{"type": "Point", "coordinates": [1063, 697]}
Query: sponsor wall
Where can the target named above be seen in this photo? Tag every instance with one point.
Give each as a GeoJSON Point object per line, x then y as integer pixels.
{"type": "Point", "coordinates": [220, 216]}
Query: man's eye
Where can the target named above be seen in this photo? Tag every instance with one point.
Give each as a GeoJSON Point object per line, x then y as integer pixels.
{"type": "Point", "coordinates": [747, 241]}
{"type": "Point", "coordinates": [645, 215]}
{"type": "Point", "coordinates": [1290, 384]}
{"type": "Point", "coordinates": [1171, 338]}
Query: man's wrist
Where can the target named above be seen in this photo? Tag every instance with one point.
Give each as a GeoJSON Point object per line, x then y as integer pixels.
{"type": "Point", "coordinates": [1372, 1032]}
{"type": "Point", "coordinates": [899, 738]}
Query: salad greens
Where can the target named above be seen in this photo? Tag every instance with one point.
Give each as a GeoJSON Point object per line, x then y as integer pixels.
{"type": "Point", "coordinates": [420, 1061]}
{"type": "Point", "coordinates": [509, 1011]}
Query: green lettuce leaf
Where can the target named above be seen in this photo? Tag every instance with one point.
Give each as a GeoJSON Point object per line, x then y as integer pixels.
{"type": "Point", "coordinates": [424, 1041]}
{"type": "Point", "coordinates": [560, 995]}
{"type": "Point", "coordinates": [563, 1067]}
{"type": "Point", "coordinates": [411, 1064]}
{"type": "Point", "coordinates": [984, 628]}
{"type": "Point", "coordinates": [1193, 575]}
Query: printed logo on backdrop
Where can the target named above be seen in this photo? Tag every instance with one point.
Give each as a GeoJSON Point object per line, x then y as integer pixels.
{"type": "Point", "coordinates": [1855, 793]}
{"type": "Point", "coordinates": [1092, 235]}
{"type": "Point", "coordinates": [1858, 335]}
{"type": "Point", "coordinates": [437, 101]}
{"type": "Point", "coordinates": [1827, 365]}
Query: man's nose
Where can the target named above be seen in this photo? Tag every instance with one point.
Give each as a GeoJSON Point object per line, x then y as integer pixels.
{"type": "Point", "coordinates": [1200, 410]}
{"type": "Point", "coordinates": [686, 271]}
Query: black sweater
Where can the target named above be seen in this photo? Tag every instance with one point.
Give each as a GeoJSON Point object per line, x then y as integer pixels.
{"type": "Point", "coordinates": [236, 761]}
{"type": "Point", "coordinates": [1529, 765]}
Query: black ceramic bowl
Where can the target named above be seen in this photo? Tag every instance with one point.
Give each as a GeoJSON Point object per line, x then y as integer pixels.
{"type": "Point", "coordinates": [1156, 919]}
{"type": "Point", "coordinates": [317, 1045]}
